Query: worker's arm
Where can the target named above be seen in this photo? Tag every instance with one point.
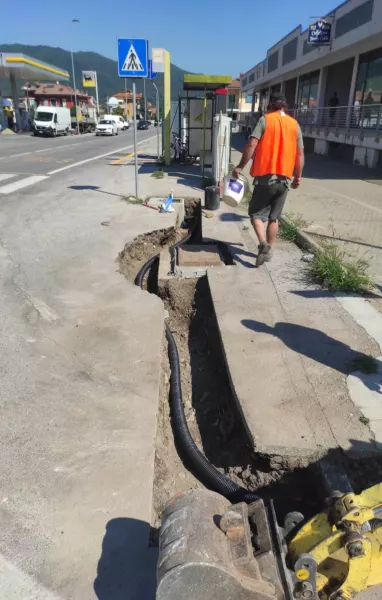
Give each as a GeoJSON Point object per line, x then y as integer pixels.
{"type": "Point", "coordinates": [248, 153]}
{"type": "Point", "coordinates": [300, 160]}
{"type": "Point", "coordinates": [298, 167]}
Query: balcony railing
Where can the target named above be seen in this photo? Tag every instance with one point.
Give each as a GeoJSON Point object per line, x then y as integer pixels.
{"type": "Point", "coordinates": [366, 118]}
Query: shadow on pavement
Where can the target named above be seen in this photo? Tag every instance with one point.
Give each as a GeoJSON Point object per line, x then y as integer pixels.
{"type": "Point", "coordinates": [127, 567]}
{"type": "Point", "coordinates": [323, 167]}
{"type": "Point", "coordinates": [233, 217]}
{"type": "Point", "coordinates": [92, 188]}
{"type": "Point", "coordinates": [318, 346]}
{"type": "Point", "coordinates": [309, 294]}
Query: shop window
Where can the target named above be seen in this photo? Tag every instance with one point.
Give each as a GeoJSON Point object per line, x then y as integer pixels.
{"type": "Point", "coordinates": [308, 91]}
{"type": "Point", "coordinates": [290, 51]}
{"type": "Point", "coordinates": [368, 93]}
{"type": "Point", "coordinates": [273, 61]}
{"type": "Point", "coordinates": [355, 18]}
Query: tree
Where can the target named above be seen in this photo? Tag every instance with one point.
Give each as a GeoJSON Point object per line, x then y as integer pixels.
{"type": "Point", "coordinates": [119, 111]}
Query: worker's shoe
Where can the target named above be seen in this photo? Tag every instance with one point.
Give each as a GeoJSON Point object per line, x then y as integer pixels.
{"type": "Point", "coordinates": [264, 254]}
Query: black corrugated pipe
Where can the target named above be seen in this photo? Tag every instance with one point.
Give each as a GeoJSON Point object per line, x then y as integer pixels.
{"type": "Point", "coordinates": [200, 467]}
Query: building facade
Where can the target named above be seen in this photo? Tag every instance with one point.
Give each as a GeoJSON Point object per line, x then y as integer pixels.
{"type": "Point", "coordinates": [125, 101]}
{"type": "Point", "coordinates": [334, 90]}
{"type": "Point", "coordinates": [53, 94]}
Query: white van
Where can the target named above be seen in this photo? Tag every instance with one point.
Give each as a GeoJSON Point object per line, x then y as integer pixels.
{"type": "Point", "coordinates": [52, 121]}
{"type": "Point", "coordinates": [120, 121]}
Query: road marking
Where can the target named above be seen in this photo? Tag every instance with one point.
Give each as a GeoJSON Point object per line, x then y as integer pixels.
{"type": "Point", "coordinates": [18, 185]}
{"type": "Point", "coordinates": [52, 148]}
{"type": "Point", "coordinates": [119, 160]}
{"type": "Point", "coordinates": [82, 162]}
{"type": "Point", "coordinates": [6, 176]}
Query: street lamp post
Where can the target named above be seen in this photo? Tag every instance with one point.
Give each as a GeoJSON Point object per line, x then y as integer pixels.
{"type": "Point", "coordinates": [74, 76]}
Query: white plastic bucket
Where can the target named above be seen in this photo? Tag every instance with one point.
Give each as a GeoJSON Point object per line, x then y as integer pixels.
{"type": "Point", "coordinates": [233, 191]}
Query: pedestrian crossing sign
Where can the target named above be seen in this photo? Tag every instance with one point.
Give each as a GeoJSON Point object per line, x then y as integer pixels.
{"type": "Point", "coordinates": [132, 57]}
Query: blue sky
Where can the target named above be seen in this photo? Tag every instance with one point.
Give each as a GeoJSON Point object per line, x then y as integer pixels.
{"type": "Point", "coordinates": [208, 36]}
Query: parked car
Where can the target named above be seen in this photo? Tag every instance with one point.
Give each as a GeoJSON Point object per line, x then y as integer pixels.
{"type": "Point", "coordinates": [107, 127]}
{"type": "Point", "coordinates": [51, 121]}
{"type": "Point", "coordinates": [143, 124]}
{"type": "Point", "coordinates": [126, 124]}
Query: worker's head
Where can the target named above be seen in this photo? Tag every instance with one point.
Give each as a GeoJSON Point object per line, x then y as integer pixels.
{"type": "Point", "coordinates": [277, 102]}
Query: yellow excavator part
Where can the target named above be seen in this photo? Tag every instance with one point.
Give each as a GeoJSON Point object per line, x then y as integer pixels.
{"type": "Point", "coordinates": [345, 543]}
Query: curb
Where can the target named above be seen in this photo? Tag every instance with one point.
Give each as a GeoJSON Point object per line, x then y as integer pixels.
{"type": "Point", "coordinates": [304, 240]}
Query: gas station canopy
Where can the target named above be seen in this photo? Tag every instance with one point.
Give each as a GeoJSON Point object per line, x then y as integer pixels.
{"type": "Point", "coordinates": [197, 82]}
{"type": "Point", "coordinates": [25, 67]}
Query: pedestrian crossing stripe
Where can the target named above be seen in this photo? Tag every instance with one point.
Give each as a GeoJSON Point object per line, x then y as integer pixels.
{"type": "Point", "coordinates": [132, 62]}
{"type": "Point", "coordinates": [19, 184]}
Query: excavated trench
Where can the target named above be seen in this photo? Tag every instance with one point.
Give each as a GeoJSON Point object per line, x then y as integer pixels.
{"type": "Point", "coordinates": [210, 408]}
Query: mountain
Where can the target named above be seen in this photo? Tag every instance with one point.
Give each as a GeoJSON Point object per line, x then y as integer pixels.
{"type": "Point", "coordinates": [108, 80]}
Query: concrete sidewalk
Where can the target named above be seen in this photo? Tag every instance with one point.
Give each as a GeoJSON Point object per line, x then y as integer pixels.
{"type": "Point", "coordinates": [289, 348]}
{"type": "Point", "coordinates": [339, 203]}
{"type": "Point", "coordinates": [80, 358]}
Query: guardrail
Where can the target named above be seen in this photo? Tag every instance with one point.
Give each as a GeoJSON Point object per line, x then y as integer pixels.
{"type": "Point", "coordinates": [367, 117]}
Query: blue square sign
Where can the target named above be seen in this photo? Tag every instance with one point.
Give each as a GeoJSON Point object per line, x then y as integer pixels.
{"type": "Point", "coordinates": [132, 57]}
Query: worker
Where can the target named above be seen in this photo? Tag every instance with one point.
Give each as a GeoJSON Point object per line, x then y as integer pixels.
{"type": "Point", "coordinates": [277, 148]}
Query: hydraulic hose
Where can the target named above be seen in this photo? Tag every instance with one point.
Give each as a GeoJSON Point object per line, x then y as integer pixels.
{"type": "Point", "coordinates": [198, 464]}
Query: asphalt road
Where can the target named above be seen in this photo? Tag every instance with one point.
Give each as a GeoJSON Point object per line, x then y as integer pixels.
{"type": "Point", "coordinates": [79, 361]}
{"type": "Point", "coordinates": [26, 160]}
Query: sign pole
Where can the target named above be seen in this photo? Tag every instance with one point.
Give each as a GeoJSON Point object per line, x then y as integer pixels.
{"type": "Point", "coordinates": [167, 108]}
{"type": "Point", "coordinates": [135, 141]}
{"type": "Point", "coordinates": [97, 99]}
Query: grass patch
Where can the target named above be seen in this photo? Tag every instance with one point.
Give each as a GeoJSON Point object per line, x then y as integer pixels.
{"type": "Point", "coordinates": [334, 272]}
{"type": "Point", "coordinates": [365, 363]}
{"type": "Point", "coordinates": [158, 174]}
{"type": "Point", "coordinates": [288, 231]}
{"type": "Point", "coordinates": [289, 228]}
{"type": "Point", "coordinates": [131, 199]}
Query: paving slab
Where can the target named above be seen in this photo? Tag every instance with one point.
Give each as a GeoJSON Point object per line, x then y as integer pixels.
{"type": "Point", "coordinates": [288, 349]}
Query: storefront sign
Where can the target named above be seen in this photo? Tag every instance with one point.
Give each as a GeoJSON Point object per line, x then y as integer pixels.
{"type": "Point", "coordinates": [320, 33]}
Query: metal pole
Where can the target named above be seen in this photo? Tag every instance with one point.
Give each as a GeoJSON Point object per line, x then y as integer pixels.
{"type": "Point", "coordinates": [135, 141]}
{"type": "Point", "coordinates": [127, 112]}
{"type": "Point", "coordinates": [144, 97]}
{"type": "Point", "coordinates": [97, 99]}
{"type": "Point", "coordinates": [74, 76]}
{"type": "Point", "coordinates": [157, 97]}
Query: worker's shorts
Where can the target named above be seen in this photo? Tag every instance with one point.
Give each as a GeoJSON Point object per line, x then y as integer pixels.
{"type": "Point", "coordinates": [268, 201]}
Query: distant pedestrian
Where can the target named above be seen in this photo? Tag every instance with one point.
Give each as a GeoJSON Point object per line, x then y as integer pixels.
{"type": "Point", "coordinates": [277, 148]}
{"type": "Point", "coordinates": [333, 103]}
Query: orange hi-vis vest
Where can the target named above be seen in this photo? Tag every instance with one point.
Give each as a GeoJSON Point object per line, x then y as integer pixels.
{"type": "Point", "coordinates": [276, 151]}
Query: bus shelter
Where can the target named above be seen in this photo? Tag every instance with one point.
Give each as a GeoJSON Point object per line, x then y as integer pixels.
{"type": "Point", "coordinates": [201, 106]}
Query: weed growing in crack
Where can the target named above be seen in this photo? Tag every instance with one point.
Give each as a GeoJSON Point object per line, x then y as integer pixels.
{"type": "Point", "coordinates": [131, 199]}
{"type": "Point", "coordinates": [331, 269]}
{"type": "Point", "coordinates": [158, 174]}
